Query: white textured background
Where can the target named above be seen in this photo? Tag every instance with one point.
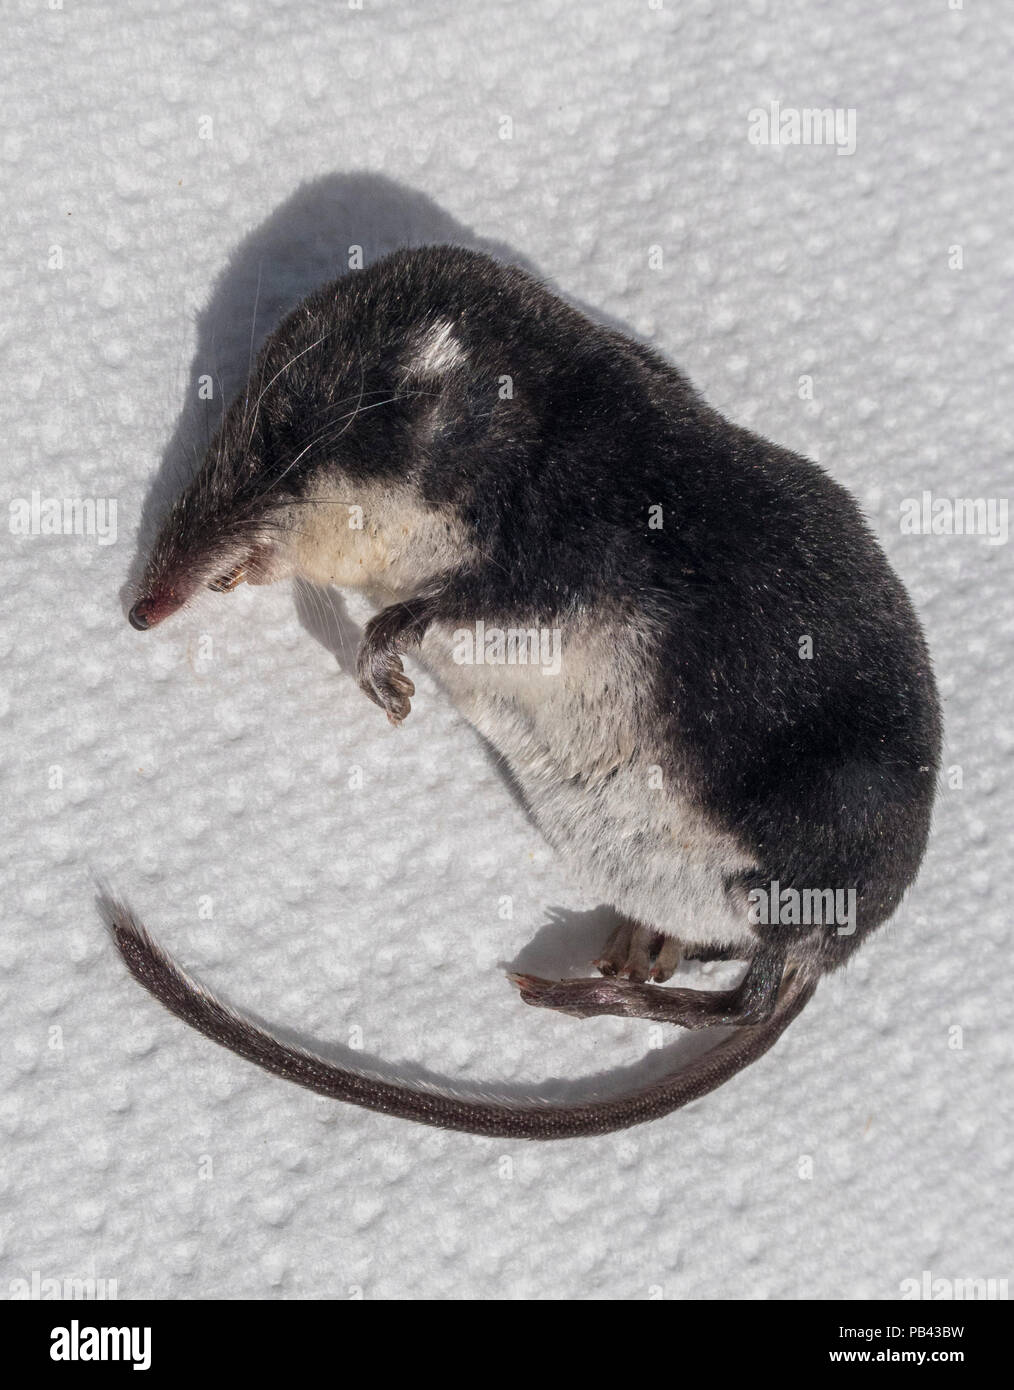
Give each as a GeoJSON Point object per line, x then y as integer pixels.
{"type": "Point", "coordinates": [133, 1149]}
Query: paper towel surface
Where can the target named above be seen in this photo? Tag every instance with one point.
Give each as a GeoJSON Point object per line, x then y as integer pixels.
{"type": "Point", "coordinates": [165, 170]}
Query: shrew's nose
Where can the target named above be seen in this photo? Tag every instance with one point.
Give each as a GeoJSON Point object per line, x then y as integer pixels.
{"type": "Point", "coordinates": [140, 616]}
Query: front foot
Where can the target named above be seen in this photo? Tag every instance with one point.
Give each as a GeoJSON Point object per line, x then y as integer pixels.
{"type": "Point", "coordinates": [379, 668]}
{"type": "Point", "coordinates": [225, 583]}
{"type": "Point", "coordinates": [387, 686]}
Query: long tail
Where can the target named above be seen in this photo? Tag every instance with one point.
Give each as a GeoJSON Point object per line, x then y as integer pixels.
{"type": "Point", "coordinates": [496, 1118]}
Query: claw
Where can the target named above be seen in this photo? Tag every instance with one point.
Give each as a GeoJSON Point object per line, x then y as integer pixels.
{"type": "Point", "coordinates": [226, 582]}
{"type": "Point", "coordinates": [396, 698]}
{"type": "Point", "coordinates": [639, 954]}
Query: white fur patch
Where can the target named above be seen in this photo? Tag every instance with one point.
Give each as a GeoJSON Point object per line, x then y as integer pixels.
{"type": "Point", "coordinates": [438, 352]}
{"type": "Point", "coordinates": [374, 537]}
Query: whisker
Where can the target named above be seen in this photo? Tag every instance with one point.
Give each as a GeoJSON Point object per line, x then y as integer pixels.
{"type": "Point", "coordinates": [316, 343]}
{"type": "Point", "coordinates": [253, 332]}
{"type": "Point", "coordinates": [322, 437]}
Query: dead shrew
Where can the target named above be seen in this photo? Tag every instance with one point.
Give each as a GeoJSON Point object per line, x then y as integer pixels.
{"type": "Point", "coordinates": [683, 640]}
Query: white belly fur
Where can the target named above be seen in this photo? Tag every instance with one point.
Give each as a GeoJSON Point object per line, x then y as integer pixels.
{"type": "Point", "coordinates": [590, 779]}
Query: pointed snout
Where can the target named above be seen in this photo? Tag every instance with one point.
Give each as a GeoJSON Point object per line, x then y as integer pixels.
{"type": "Point", "coordinates": [140, 616]}
{"type": "Point", "coordinates": [153, 608]}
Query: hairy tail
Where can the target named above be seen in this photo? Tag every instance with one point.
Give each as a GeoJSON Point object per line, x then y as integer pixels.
{"type": "Point", "coordinates": [496, 1118]}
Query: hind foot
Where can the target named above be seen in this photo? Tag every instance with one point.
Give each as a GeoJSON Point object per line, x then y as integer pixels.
{"type": "Point", "coordinates": [639, 953]}
{"type": "Point", "coordinates": [625, 998]}
{"type": "Point", "coordinates": [751, 1001]}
